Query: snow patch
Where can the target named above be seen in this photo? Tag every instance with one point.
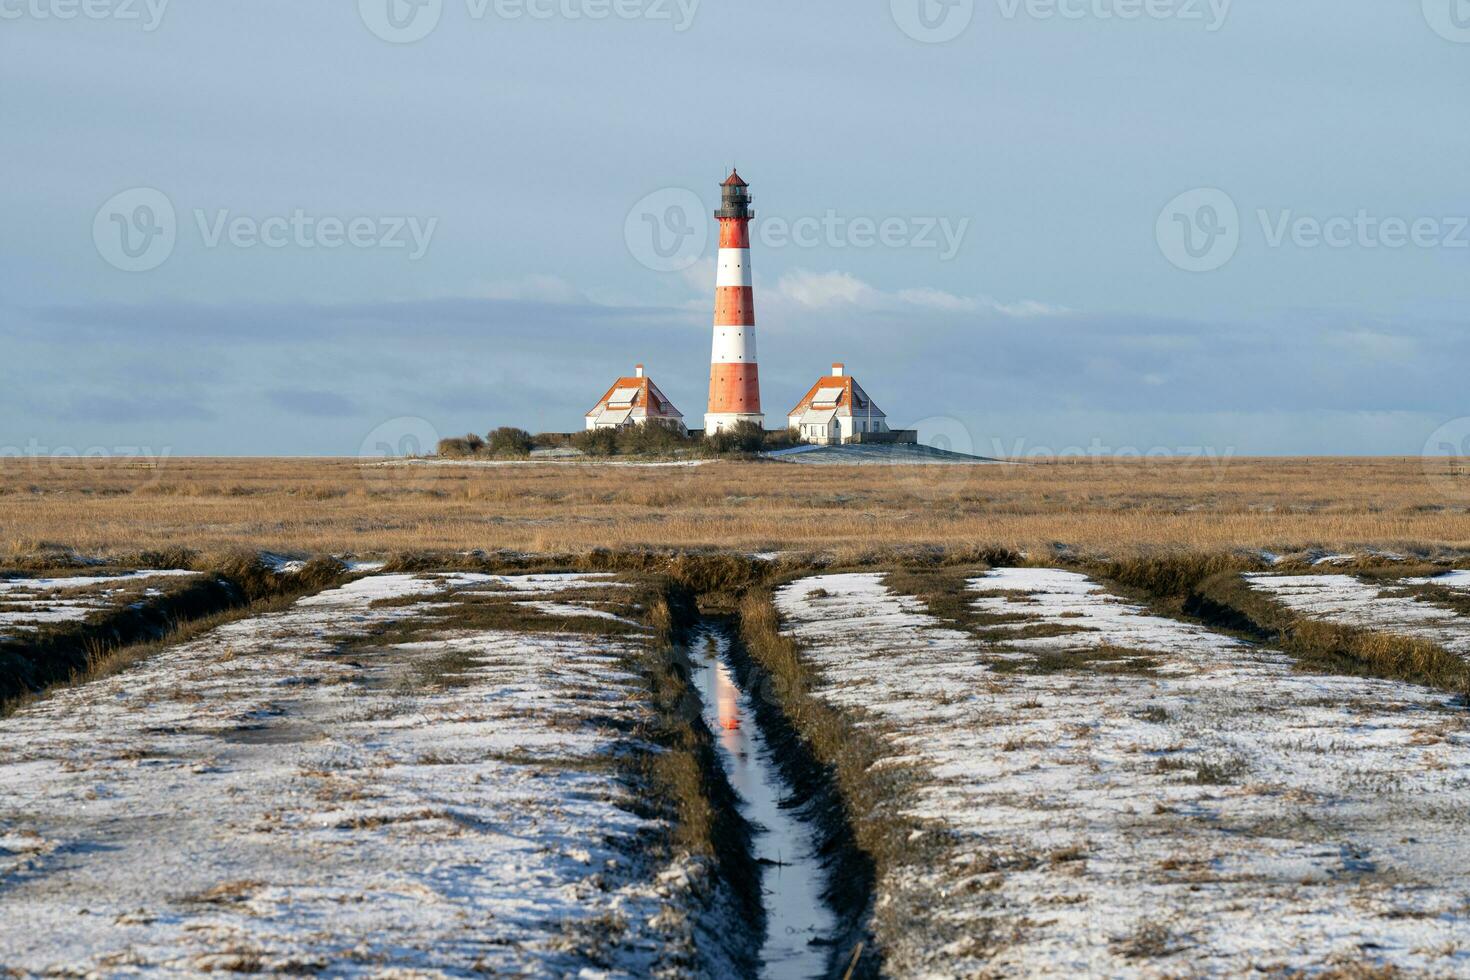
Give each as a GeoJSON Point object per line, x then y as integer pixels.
{"type": "Point", "coordinates": [1219, 814]}
{"type": "Point", "coordinates": [1354, 602]}
{"type": "Point", "coordinates": [1459, 580]}
{"type": "Point", "coordinates": [257, 799]}
{"type": "Point", "coordinates": [1073, 600]}
{"type": "Point", "coordinates": [26, 604]}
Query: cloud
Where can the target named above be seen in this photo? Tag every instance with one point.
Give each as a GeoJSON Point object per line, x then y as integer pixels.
{"type": "Point", "coordinates": [1375, 344]}
{"type": "Point", "coordinates": [824, 291]}
{"type": "Point", "coordinates": [311, 402]}
{"type": "Point", "coordinates": [535, 288]}
{"type": "Point", "coordinates": [838, 290]}
{"type": "Point", "coordinates": [440, 319]}
{"type": "Point", "coordinates": [466, 363]}
{"type": "Point", "coordinates": [115, 408]}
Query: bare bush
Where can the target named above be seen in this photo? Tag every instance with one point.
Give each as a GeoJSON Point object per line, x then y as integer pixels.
{"type": "Point", "coordinates": [510, 441]}
{"type": "Point", "coordinates": [596, 442]}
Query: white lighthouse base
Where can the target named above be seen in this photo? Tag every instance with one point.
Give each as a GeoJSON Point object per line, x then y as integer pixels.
{"type": "Point", "coordinates": [726, 420]}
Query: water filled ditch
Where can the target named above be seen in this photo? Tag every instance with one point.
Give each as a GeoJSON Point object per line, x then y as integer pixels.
{"type": "Point", "coordinates": [801, 927]}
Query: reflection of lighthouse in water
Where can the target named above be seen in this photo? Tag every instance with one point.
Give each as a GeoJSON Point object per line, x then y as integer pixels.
{"type": "Point", "coordinates": [727, 704]}
{"type": "Point", "coordinates": [784, 843]}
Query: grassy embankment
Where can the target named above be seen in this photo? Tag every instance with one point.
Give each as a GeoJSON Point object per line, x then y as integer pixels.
{"type": "Point", "coordinates": [229, 587]}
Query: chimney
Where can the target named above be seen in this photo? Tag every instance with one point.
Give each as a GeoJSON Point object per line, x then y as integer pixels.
{"type": "Point", "coordinates": [838, 370]}
{"type": "Point", "coordinates": [638, 371]}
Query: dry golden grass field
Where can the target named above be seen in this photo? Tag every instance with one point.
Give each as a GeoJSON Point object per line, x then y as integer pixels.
{"type": "Point", "coordinates": [344, 505]}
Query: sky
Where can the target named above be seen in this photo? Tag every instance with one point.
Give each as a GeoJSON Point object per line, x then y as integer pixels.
{"type": "Point", "coordinates": [1026, 226]}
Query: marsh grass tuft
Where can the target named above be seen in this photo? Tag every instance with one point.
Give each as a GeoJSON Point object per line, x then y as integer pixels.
{"type": "Point", "coordinates": [1333, 647]}
{"type": "Point", "coordinates": [1106, 659]}
{"type": "Point", "coordinates": [1149, 940]}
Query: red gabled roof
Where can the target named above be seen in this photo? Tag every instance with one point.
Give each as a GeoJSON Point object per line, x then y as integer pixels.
{"type": "Point", "coordinates": [734, 180]}
{"type": "Point", "coordinates": [639, 399]}
{"type": "Point", "coordinates": [648, 395]}
{"type": "Point", "coordinates": [845, 383]}
{"type": "Point", "coordinates": [848, 398]}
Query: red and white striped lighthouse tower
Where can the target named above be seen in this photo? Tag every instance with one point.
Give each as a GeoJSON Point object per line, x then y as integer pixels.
{"type": "Point", "coordinates": [734, 379]}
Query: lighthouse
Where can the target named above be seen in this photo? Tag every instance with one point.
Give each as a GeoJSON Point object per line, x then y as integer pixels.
{"type": "Point", "coordinates": [734, 379]}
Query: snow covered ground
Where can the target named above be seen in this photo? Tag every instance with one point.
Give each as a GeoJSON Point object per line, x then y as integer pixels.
{"type": "Point", "coordinates": [1216, 814]}
{"type": "Point", "coordinates": [1070, 600]}
{"type": "Point", "coordinates": [1459, 580]}
{"type": "Point", "coordinates": [287, 794]}
{"type": "Point", "coordinates": [1373, 605]}
{"type": "Point", "coordinates": [26, 604]}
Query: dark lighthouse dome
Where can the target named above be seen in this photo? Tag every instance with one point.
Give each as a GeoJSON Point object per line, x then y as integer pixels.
{"type": "Point", "coordinates": [734, 198]}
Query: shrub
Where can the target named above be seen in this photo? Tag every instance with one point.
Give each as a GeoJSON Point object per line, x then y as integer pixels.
{"type": "Point", "coordinates": [551, 440]}
{"type": "Point", "coordinates": [455, 447]}
{"type": "Point", "coordinates": [783, 439]}
{"type": "Point", "coordinates": [475, 443]}
{"type": "Point", "coordinates": [651, 439]}
{"type": "Point", "coordinates": [510, 441]}
{"type": "Point", "coordinates": [742, 437]}
{"type": "Point", "coordinates": [596, 442]}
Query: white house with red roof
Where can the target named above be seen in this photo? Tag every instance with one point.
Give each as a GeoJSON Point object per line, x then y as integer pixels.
{"type": "Point", "coordinates": [835, 409]}
{"type": "Point", "coordinates": [634, 401]}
